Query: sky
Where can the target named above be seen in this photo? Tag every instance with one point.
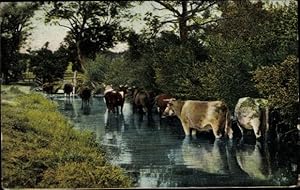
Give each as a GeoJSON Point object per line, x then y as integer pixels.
{"type": "Point", "coordinates": [55, 34]}
{"type": "Point", "coordinates": [42, 33]}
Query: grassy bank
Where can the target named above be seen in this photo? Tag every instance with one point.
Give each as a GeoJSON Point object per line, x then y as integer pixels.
{"type": "Point", "coordinates": [41, 149]}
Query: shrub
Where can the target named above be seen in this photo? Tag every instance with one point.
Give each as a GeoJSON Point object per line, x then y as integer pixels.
{"type": "Point", "coordinates": [279, 84]}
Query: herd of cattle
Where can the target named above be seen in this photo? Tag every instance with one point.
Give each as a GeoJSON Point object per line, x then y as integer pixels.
{"type": "Point", "coordinates": [249, 113]}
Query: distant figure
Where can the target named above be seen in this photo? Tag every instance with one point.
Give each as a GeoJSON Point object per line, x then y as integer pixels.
{"type": "Point", "coordinates": [68, 88]}
{"type": "Point", "coordinates": [85, 94]}
{"type": "Point", "coordinates": [48, 87]}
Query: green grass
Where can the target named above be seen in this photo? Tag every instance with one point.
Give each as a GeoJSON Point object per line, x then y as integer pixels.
{"type": "Point", "coordinates": [41, 149]}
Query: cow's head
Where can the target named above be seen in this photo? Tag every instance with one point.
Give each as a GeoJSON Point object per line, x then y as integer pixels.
{"type": "Point", "coordinates": [169, 111]}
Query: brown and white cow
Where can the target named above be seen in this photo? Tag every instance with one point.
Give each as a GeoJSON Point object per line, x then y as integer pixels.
{"type": "Point", "coordinates": [252, 114]}
{"type": "Point", "coordinates": [201, 116]}
{"type": "Point", "coordinates": [115, 98]}
{"type": "Point", "coordinates": [161, 104]}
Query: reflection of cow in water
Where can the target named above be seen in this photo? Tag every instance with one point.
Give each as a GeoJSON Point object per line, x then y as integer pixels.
{"type": "Point", "coordinates": [210, 158]}
{"type": "Point", "coordinates": [115, 98]}
{"type": "Point", "coordinates": [85, 94]}
{"type": "Point", "coordinates": [224, 157]}
{"type": "Point", "coordinates": [254, 160]}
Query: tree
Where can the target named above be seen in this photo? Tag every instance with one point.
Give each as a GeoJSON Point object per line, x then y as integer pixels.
{"type": "Point", "coordinates": [93, 25]}
{"type": "Point", "coordinates": [227, 75]}
{"type": "Point", "coordinates": [279, 84]}
{"type": "Point", "coordinates": [247, 37]}
{"type": "Point", "coordinates": [165, 63]}
{"type": "Point", "coordinates": [15, 29]}
{"type": "Point", "coordinates": [183, 16]}
{"type": "Point", "coordinates": [47, 65]}
{"type": "Point", "coordinates": [256, 26]}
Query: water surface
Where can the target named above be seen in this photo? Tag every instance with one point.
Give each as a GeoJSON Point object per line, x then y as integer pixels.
{"type": "Point", "coordinates": [156, 154]}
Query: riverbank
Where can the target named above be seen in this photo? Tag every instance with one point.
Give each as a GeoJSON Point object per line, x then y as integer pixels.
{"type": "Point", "coordinates": [40, 148]}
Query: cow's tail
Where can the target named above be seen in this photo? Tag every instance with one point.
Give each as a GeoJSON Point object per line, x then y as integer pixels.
{"type": "Point", "coordinates": [228, 129]}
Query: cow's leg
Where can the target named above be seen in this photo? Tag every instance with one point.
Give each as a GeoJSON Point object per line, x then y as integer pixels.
{"type": "Point", "coordinates": [194, 132]}
{"type": "Point", "coordinates": [255, 123]}
{"type": "Point", "coordinates": [229, 132]}
{"type": "Point", "coordinates": [186, 128]}
{"type": "Point", "coordinates": [216, 132]}
{"type": "Point", "coordinates": [240, 127]}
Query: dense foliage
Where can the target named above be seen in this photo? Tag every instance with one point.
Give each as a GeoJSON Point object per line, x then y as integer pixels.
{"type": "Point", "coordinates": [216, 63]}
{"type": "Point", "coordinates": [249, 48]}
{"type": "Point", "coordinates": [15, 30]}
{"type": "Point", "coordinates": [48, 66]}
{"type": "Point", "coordinates": [93, 25]}
{"type": "Point", "coordinates": [280, 84]}
{"type": "Point", "coordinates": [41, 149]}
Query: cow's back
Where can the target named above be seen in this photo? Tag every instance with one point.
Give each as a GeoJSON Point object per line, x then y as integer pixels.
{"type": "Point", "coordinates": [200, 114]}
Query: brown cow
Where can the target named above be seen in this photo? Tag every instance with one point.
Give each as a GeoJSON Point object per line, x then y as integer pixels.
{"type": "Point", "coordinates": [161, 104]}
{"type": "Point", "coordinates": [68, 88]}
{"type": "Point", "coordinates": [48, 88]}
{"type": "Point", "coordinates": [201, 116]}
{"type": "Point", "coordinates": [115, 98]}
{"type": "Point", "coordinates": [85, 94]}
{"type": "Point", "coordinates": [143, 101]}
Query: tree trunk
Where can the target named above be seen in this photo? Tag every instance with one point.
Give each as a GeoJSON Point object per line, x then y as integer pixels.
{"type": "Point", "coordinates": [80, 56]}
{"type": "Point", "coordinates": [183, 22]}
{"type": "Point", "coordinates": [74, 82]}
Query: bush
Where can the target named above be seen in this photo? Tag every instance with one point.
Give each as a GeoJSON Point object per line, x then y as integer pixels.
{"type": "Point", "coordinates": [41, 149]}
{"type": "Point", "coordinates": [279, 84]}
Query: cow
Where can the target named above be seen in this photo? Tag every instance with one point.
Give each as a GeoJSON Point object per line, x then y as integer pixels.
{"type": "Point", "coordinates": [68, 88]}
{"type": "Point", "coordinates": [115, 98]}
{"type": "Point", "coordinates": [143, 101]}
{"type": "Point", "coordinates": [161, 104]}
{"type": "Point", "coordinates": [252, 114]}
{"type": "Point", "coordinates": [85, 94]}
{"type": "Point", "coordinates": [200, 116]}
{"type": "Point", "coordinates": [48, 88]}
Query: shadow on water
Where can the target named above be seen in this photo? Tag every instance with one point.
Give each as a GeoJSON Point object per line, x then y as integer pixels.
{"type": "Point", "coordinates": [157, 154]}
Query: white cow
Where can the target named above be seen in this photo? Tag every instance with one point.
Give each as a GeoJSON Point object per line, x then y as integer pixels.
{"type": "Point", "coordinates": [253, 114]}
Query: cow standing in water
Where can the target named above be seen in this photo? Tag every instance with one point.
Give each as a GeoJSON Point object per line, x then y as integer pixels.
{"type": "Point", "coordinates": [115, 98]}
{"type": "Point", "coordinates": [48, 88]}
{"type": "Point", "coordinates": [252, 114]}
{"type": "Point", "coordinates": [201, 116]}
{"type": "Point", "coordinates": [68, 88]}
{"type": "Point", "coordinates": [161, 104]}
{"type": "Point", "coordinates": [85, 94]}
{"type": "Point", "coordinates": [143, 101]}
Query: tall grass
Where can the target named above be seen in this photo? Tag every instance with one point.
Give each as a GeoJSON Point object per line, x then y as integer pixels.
{"type": "Point", "coordinates": [40, 149]}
